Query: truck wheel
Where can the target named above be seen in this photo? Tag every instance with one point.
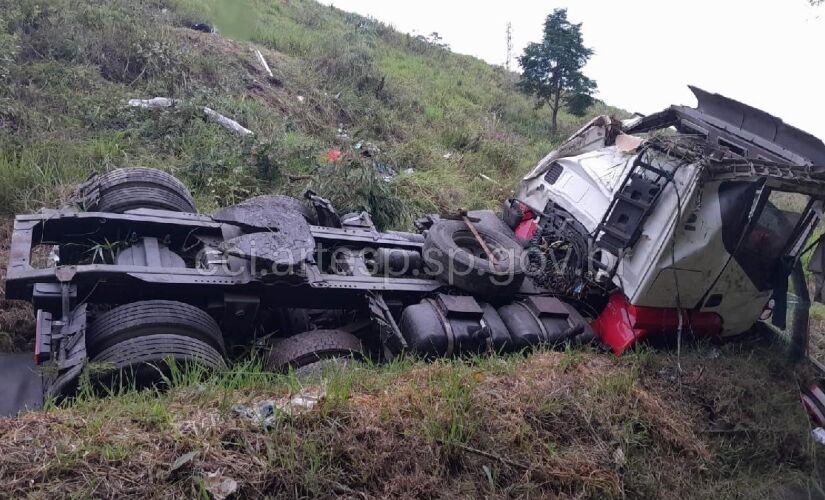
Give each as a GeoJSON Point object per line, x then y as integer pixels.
{"type": "Point", "coordinates": [453, 254]}
{"type": "Point", "coordinates": [140, 361]}
{"type": "Point", "coordinates": [313, 346]}
{"type": "Point", "coordinates": [149, 318]}
{"type": "Point", "coordinates": [294, 204]}
{"type": "Point", "coordinates": [138, 187]}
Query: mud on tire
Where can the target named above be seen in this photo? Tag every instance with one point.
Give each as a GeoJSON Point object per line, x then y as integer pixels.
{"type": "Point", "coordinates": [313, 346]}
{"type": "Point", "coordinates": [138, 187]}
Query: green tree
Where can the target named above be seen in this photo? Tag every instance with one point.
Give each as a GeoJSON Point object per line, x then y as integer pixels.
{"type": "Point", "coordinates": [552, 68]}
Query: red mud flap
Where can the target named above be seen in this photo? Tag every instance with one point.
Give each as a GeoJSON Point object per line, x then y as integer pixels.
{"type": "Point", "coordinates": [621, 324]}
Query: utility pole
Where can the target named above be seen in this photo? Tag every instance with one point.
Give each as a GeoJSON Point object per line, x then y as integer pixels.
{"type": "Point", "coordinates": [509, 46]}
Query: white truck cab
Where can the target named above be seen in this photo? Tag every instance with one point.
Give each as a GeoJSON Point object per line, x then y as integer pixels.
{"type": "Point", "coordinates": [690, 219]}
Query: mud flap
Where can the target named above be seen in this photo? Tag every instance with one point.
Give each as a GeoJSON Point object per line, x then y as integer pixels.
{"type": "Point", "coordinates": [21, 384]}
{"type": "Point", "coordinates": [60, 350]}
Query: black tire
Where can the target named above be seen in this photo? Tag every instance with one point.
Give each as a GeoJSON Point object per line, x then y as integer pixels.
{"type": "Point", "coordinates": [313, 346]}
{"type": "Point", "coordinates": [294, 204]}
{"type": "Point", "coordinates": [138, 360]}
{"type": "Point", "coordinates": [152, 317]}
{"type": "Point", "coordinates": [455, 257]}
{"type": "Point", "coordinates": [138, 187]}
{"type": "Point", "coordinates": [318, 368]}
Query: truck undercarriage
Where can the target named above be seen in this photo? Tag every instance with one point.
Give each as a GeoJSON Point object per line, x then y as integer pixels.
{"type": "Point", "coordinates": [689, 221]}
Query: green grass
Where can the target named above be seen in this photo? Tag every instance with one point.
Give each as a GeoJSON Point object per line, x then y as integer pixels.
{"type": "Point", "coordinates": [571, 423]}
{"type": "Point", "coordinates": [68, 68]}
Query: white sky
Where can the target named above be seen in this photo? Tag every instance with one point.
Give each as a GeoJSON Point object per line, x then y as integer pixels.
{"type": "Point", "coordinates": [766, 53]}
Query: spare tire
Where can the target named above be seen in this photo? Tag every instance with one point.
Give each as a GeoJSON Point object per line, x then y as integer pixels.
{"type": "Point", "coordinates": [454, 256]}
{"type": "Point", "coordinates": [138, 187]}
{"type": "Point", "coordinates": [152, 317]}
{"type": "Point", "coordinates": [294, 204]}
{"type": "Point", "coordinates": [313, 346]}
{"type": "Point", "coordinates": [141, 361]}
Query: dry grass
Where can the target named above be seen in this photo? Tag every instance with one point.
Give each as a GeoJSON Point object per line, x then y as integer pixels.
{"type": "Point", "coordinates": [573, 424]}
{"type": "Point", "coordinates": [16, 318]}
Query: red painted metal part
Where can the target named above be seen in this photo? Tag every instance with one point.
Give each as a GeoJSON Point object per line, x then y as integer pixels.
{"type": "Point", "coordinates": [527, 227]}
{"type": "Point", "coordinates": [622, 324]}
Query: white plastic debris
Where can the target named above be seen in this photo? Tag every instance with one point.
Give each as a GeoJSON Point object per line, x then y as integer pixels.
{"type": "Point", "coordinates": [263, 63]}
{"type": "Point", "coordinates": [212, 115]}
{"type": "Point", "coordinates": [226, 123]}
{"type": "Point", "coordinates": [300, 98]}
{"type": "Point", "coordinates": [266, 413]}
{"type": "Point", "coordinates": [220, 487]}
{"type": "Point", "coordinates": [819, 435]}
{"type": "Point", "coordinates": [155, 102]}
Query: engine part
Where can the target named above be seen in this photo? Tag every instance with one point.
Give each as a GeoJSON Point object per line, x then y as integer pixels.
{"type": "Point", "coordinates": [444, 326]}
{"type": "Point", "coordinates": [148, 252]}
{"type": "Point", "coordinates": [541, 320]}
{"type": "Point", "coordinates": [558, 252]}
{"type": "Point", "coordinates": [498, 338]}
{"type": "Point", "coordinates": [397, 261]}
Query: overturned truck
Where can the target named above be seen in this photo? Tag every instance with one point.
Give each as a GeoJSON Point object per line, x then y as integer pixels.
{"type": "Point", "coordinates": [686, 221]}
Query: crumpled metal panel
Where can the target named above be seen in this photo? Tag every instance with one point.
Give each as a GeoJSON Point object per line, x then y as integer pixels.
{"type": "Point", "coordinates": [280, 249]}
{"type": "Point", "coordinates": [281, 235]}
{"type": "Point", "coordinates": [263, 212]}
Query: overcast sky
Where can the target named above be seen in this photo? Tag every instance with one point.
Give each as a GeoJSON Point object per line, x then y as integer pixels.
{"type": "Point", "coordinates": [766, 53]}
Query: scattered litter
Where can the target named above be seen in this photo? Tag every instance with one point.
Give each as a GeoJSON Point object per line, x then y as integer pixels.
{"type": "Point", "coordinates": [334, 155]}
{"type": "Point", "coordinates": [202, 27]}
{"type": "Point", "coordinates": [486, 178]}
{"type": "Point", "coordinates": [342, 132]}
{"type": "Point", "coordinates": [155, 102]}
{"type": "Point", "coordinates": [628, 143]}
{"type": "Point", "coordinates": [447, 156]}
{"type": "Point", "coordinates": [409, 171]}
{"type": "Point", "coordinates": [300, 98]}
{"type": "Point", "coordinates": [367, 149]}
{"type": "Point", "coordinates": [619, 458]}
{"type": "Point", "coordinates": [266, 413]}
{"type": "Point", "coordinates": [212, 115]}
{"type": "Point", "coordinates": [385, 171]}
{"type": "Point", "coordinates": [263, 63]}
{"type": "Point", "coordinates": [218, 486]}
{"type": "Point", "coordinates": [818, 435]}
{"type": "Point", "coordinates": [226, 123]}
{"type": "Point", "coordinates": [183, 460]}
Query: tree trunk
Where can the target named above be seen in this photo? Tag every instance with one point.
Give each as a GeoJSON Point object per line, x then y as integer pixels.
{"type": "Point", "coordinates": [555, 108]}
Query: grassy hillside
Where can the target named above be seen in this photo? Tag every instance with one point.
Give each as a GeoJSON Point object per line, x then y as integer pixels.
{"type": "Point", "coordinates": [573, 424]}
{"type": "Point", "coordinates": [69, 66]}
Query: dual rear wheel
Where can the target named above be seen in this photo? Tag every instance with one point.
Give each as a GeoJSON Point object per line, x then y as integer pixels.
{"type": "Point", "coordinates": [138, 342]}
